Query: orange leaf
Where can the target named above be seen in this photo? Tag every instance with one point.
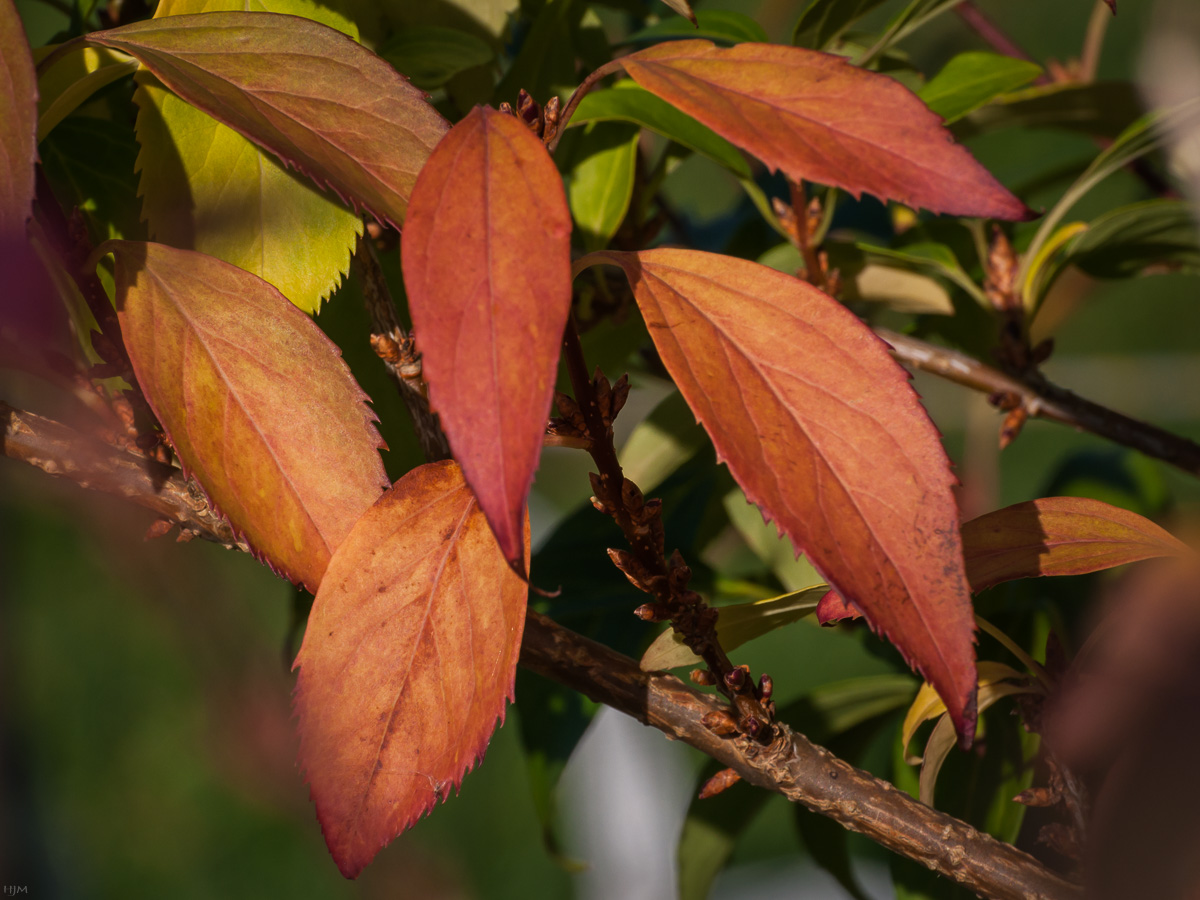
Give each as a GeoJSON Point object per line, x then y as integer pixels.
{"type": "Point", "coordinates": [1059, 536]}
{"type": "Point", "coordinates": [307, 93]}
{"type": "Point", "coordinates": [1051, 536]}
{"type": "Point", "coordinates": [815, 116]}
{"type": "Point", "coordinates": [822, 430]}
{"type": "Point", "coordinates": [18, 112]}
{"type": "Point", "coordinates": [487, 267]}
{"type": "Point", "coordinates": [255, 399]}
{"type": "Point", "coordinates": [409, 657]}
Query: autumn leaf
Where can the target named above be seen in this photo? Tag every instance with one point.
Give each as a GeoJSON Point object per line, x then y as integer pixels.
{"type": "Point", "coordinates": [487, 267]}
{"type": "Point", "coordinates": [419, 624]}
{"type": "Point", "coordinates": [18, 112]}
{"type": "Point", "coordinates": [816, 117]}
{"type": "Point", "coordinates": [823, 432]}
{"type": "Point", "coordinates": [1059, 536]}
{"type": "Point", "coordinates": [1051, 536]}
{"type": "Point", "coordinates": [205, 187]}
{"type": "Point", "coordinates": [307, 93]}
{"type": "Point", "coordinates": [683, 8]}
{"type": "Point", "coordinates": [255, 400]}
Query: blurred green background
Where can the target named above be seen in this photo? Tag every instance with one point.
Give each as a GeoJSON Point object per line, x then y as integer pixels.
{"type": "Point", "coordinates": [146, 745]}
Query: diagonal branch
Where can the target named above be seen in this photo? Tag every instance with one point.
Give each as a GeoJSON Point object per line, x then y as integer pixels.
{"type": "Point", "coordinates": [790, 764]}
{"type": "Point", "coordinates": [1042, 399]}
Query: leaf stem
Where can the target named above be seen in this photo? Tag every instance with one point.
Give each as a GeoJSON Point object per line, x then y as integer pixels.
{"type": "Point", "coordinates": [564, 118]}
{"type": "Point", "coordinates": [1015, 649]}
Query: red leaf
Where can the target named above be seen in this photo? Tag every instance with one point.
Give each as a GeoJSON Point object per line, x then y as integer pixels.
{"type": "Point", "coordinates": [1059, 536]}
{"type": "Point", "coordinates": [1051, 536]}
{"type": "Point", "coordinates": [18, 112]}
{"type": "Point", "coordinates": [409, 657]}
{"type": "Point", "coordinates": [822, 430]}
{"type": "Point", "coordinates": [817, 117]}
{"type": "Point", "coordinates": [487, 267]}
{"type": "Point", "coordinates": [305, 92]}
{"type": "Point", "coordinates": [256, 400]}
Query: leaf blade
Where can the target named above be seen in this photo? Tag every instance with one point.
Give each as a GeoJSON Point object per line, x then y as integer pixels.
{"type": "Point", "coordinates": [398, 589]}
{"type": "Point", "coordinates": [343, 116]}
{"type": "Point", "coordinates": [490, 321]}
{"type": "Point", "coordinates": [1059, 536]}
{"type": "Point", "coordinates": [793, 390]}
{"type": "Point", "coordinates": [815, 117]}
{"type": "Point", "coordinates": [18, 112]}
{"type": "Point", "coordinates": [255, 399]}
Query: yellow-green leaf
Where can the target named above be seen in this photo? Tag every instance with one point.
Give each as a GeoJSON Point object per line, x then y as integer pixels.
{"type": "Point", "coordinates": [205, 187]}
{"type": "Point", "coordinates": [735, 626]}
{"type": "Point", "coordinates": [928, 705]}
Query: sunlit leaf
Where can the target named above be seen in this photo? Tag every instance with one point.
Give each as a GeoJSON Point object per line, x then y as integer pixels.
{"type": "Point", "coordinates": [487, 267]}
{"type": "Point", "coordinates": [18, 135]}
{"type": "Point", "coordinates": [601, 184]}
{"type": "Point", "coordinates": [418, 625]}
{"type": "Point", "coordinates": [973, 79]}
{"type": "Point", "coordinates": [941, 740]}
{"type": "Point", "coordinates": [723, 25]}
{"type": "Point", "coordinates": [73, 79]}
{"type": "Point", "coordinates": [302, 90]}
{"type": "Point", "coordinates": [822, 430]}
{"type": "Point", "coordinates": [735, 626]}
{"type": "Point", "coordinates": [430, 56]}
{"type": "Point", "coordinates": [927, 705]}
{"type": "Point", "coordinates": [255, 399]}
{"type": "Point", "coordinates": [1059, 536]}
{"type": "Point", "coordinates": [816, 117]}
{"type": "Point", "coordinates": [207, 188]}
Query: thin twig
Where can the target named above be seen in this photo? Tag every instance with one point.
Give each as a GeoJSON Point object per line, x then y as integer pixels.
{"type": "Point", "coordinates": [1044, 400]}
{"type": "Point", "coordinates": [982, 25]}
{"type": "Point", "coordinates": [790, 765]}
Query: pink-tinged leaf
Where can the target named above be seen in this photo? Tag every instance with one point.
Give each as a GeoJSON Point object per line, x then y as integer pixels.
{"type": "Point", "coordinates": [307, 93]}
{"type": "Point", "coordinates": [816, 117]}
{"type": "Point", "coordinates": [18, 131]}
{"type": "Point", "coordinates": [255, 399]}
{"type": "Point", "coordinates": [408, 660]}
{"type": "Point", "coordinates": [1051, 536]}
{"type": "Point", "coordinates": [683, 8]}
{"type": "Point", "coordinates": [823, 432]}
{"type": "Point", "coordinates": [487, 267]}
{"type": "Point", "coordinates": [1059, 536]}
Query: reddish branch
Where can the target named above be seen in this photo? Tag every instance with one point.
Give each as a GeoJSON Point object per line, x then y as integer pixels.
{"type": "Point", "coordinates": [1041, 399]}
{"type": "Point", "coordinates": [789, 764]}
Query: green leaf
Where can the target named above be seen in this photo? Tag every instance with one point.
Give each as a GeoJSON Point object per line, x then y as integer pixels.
{"type": "Point", "coordinates": [971, 80]}
{"type": "Point", "coordinates": [601, 183]}
{"type": "Point", "coordinates": [430, 55]}
{"type": "Point", "coordinates": [301, 90]}
{"type": "Point", "coordinates": [1103, 109]}
{"type": "Point", "coordinates": [1131, 239]}
{"type": "Point", "coordinates": [90, 164]}
{"type": "Point", "coordinates": [207, 188]}
{"type": "Point", "coordinates": [660, 444]}
{"type": "Point", "coordinates": [631, 103]}
{"type": "Point", "coordinates": [1134, 142]}
{"type": "Point", "coordinates": [722, 25]}
{"type": "Point", "coordinates": [735, 626]}
{"type": "Point", "coordinates": [926, 258]}
{"type": "Point", "coordinates": [71, 80]}
{"type": "Point", "coordinates": [824, 21]}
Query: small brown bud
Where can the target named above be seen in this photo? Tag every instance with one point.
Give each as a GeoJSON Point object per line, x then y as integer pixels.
{"type": "Point", "coordinates": [639, 576]}
{"type": "Point", "coordinates": [752, 725]}
{"type": "Point", "coordinates": [601, 506]}
{"type": "Point", "coordinates": [679, 573]}
{"type": "Point", "coordinates": [506, 108]}
{"type": "Point", "coordinates": [631, 497]}
{"type": "Point", "coordinates": [652, 612]}
{"type": "Point", "coordinates": [722, 781]}
{"type": "Point", "coordinates": [736, 678]}
{"type": "Point", "coordinates": [703, 677]}
{"type": "Point", "coordinates": [1038, 796]}
{"type": "Point", "coordinates": [1011, 428]}
{"type": "Point", "coordinates": [720, 722]}
{"type": "Point", "coordinates": [158, 528]}
{"type": "Point", "coordinates": [620, 393]}
{"type": "Point", "coordinates": [598, 486]}
{"type": "Point", "coordinates": [550, 114]}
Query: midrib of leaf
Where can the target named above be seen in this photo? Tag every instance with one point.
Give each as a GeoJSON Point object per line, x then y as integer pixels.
{"type": "Point", "coordinates": [825, 465]}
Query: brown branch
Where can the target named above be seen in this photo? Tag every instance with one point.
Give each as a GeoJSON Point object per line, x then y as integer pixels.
{"type": "Point", "coordinates": [647, 567]}
{"type": "Point", "coordinates": [1039, 398]}
{"type": "Point", "coordinates": [793, 766]}
{"type": "Point", "coordinates": [790, 764]}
